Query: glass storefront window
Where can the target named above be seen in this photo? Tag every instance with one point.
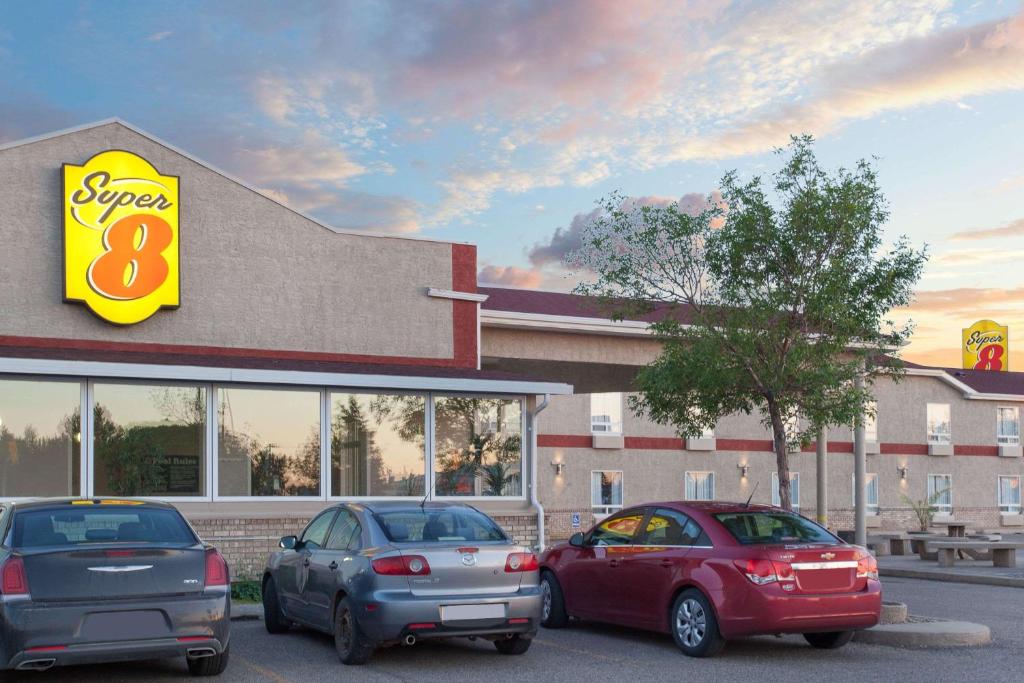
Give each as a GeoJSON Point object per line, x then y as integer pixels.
{"type": "Point", "coordinates": [149, 440]}
{"type": "Point", "coordinates": [479, 445]}
{"type": "Point", "coordinates": [377, 445]}
{"type": "Point", "coordinates": [268, 442]}
{"type": "Point", "coordinates": [40, 438]}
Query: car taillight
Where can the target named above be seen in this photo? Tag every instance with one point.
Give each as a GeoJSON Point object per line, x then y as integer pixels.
{"type": "Point", "coordinates": [216, 569]}
{"type": "Point", "coordinates": [402, 565]}
{"type": "Point", "coordinates": [521, 562]}
{"type": "Point", "coordinates": [867, 567]}
{"type": "Point", "coordinates": [762, 572]}
{"type": "Point", "coordinates": [12, 577]}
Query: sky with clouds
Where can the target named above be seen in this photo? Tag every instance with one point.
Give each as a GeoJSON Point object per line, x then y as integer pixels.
{"type": "Point", "coordinates": [502, 123]}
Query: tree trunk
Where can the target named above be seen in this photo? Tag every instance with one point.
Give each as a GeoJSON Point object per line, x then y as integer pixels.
{"type": "Point", "coordinates": [781, 453]}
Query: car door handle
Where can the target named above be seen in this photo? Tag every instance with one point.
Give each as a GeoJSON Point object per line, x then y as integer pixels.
{"type": "Point", "coordinates": [613, 563]}
{"type": "Point", "coordinates": [332, 566]}
{"type": "Point", "coordinates": [666, 563]}
{"type": "Point", "coordinates": [305, 562]}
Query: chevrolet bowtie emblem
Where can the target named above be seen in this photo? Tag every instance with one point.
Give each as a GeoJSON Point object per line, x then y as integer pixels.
{"type": "Point", "coordinates": [827, 556]}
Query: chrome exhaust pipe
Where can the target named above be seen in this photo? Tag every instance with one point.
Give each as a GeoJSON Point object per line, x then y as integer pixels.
{"type": "Point", "coordinates": [409, 640]}
{"type": "Point", "coordinates": [200, 652]}
{"type": "Point", "coordinates": [36, 664]}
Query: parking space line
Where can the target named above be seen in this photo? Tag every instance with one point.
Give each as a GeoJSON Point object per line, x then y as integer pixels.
{"type": "Point", "coordinates": [269, 673]}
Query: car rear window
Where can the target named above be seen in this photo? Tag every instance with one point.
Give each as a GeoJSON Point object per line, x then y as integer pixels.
{"type": "Point", "coordinates": [85, 525]}
{"type": "Point", "coordinates": [430, 525]}
{"type": "Point", "coordinates": [755, 527]}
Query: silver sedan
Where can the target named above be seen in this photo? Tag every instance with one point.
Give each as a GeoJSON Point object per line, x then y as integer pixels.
{"type": "Point", "coordinates": [396, 572]}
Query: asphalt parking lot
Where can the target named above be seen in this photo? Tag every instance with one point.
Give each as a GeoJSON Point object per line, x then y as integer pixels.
{"type": "Point", "coordinates": [596, 652]}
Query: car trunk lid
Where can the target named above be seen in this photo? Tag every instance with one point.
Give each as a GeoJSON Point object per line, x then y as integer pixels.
{"type": "Point", "coordinates": [464, 569]}
{"type": "Point", "coordinates": [817, 568]}
{"type": "Point", "coordinates": [115, 573]}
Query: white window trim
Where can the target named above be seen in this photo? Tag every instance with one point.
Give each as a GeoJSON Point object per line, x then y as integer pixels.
{"type": "Point", "coordinates": [942, 509]}
{"type": "Point", "coordinates": [1009, 441]}
{"type": "Point", "coordinates": [689, 473]}
{"type": "Point", "coordinates": [999, 490]}
{"type": "Point", "coordinates": [947, 438]}
{"type": "Point", "coordinates": [793, 476]}
{"type": "Point", "coordinates": [608, 509]}
{"type": "Point", "coordinates": [872, 509]}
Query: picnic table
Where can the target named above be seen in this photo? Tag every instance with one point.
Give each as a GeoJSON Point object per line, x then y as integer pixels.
{"type": "Point", "coordinates": [956, 529]}
{"type": "Point", "coordinates": [1003, 554]}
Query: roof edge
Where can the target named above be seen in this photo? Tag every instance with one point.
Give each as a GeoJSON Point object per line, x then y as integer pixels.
{"type": "Point", "coordinates": [224, 174]}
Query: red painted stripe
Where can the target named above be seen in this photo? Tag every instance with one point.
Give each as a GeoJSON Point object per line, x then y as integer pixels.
{"type": "Point", "coordinates": [564, 441]}
{"type": "Point", "coordinates": [654, 443]}
{"type": "Point", "coordinates": [464, 313]}
{"type": "Point", "coordinates": [657, 443]}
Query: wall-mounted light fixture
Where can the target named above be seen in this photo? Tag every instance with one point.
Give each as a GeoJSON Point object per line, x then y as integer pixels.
{"type": "Point", "coordinates": [902, 469]}
{"type": "Point", "coordinates": [559, 466]}
{"type": "Point", "coordinates": [744, 469]}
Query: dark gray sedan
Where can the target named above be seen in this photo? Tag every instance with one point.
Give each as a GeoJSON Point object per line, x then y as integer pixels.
{"type": "Point", "coordinates": [396, 572]}
{"type": "Point", "coordinates": [89, 581]}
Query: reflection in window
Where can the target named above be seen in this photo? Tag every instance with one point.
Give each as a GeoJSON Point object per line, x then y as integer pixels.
{"type": "Point", "coordinates": [1009, 494]}
{"type": "Point", "coordinates": [606, 413]}
{"type": "Point", "coordinates": [478, 445]}
{"type": "Point", "coordinates": [149, 440]}
{"type": "Point", "coordinates": [268, 442]}
{"type": "Point", "coordinates": [794, 490]}
{"type": "Point", "coordinates": [606, 491]}
{"type": "Point", "coordinates": [1008, 426]}
{"type": "Point", "coordinates": [939, 430]}
{"type": "Point", "coordinates": [377, 445]}
{"type": "Point", "coordinates": [40, 438]}
{"type": "Point", "coordinates": [940, 492]}
{"type": "Point", "coordinates": [700, 486]}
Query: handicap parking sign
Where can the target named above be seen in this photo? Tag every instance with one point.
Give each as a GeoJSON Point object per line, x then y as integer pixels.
{"type": "Point", "coordinates": [575, 520]}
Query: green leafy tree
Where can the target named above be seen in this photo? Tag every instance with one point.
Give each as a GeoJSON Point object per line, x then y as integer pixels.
{"type": "Point", "coordinates": [774, 299]}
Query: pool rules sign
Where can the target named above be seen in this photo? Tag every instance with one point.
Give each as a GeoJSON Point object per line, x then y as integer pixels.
{"type": "Point", "coordinates": [121, 256]}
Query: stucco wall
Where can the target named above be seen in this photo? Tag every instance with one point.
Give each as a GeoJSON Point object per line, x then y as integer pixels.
{"type": "Point", "coordinates": [565, 346]}
{"type": "Point", "coordinates": [253, 273]}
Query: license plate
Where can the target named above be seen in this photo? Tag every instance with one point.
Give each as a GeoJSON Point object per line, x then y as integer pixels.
{"type": "Point", "coordinates": [134, 625]}
{"type": "Point", "coordinates": [473, 612]}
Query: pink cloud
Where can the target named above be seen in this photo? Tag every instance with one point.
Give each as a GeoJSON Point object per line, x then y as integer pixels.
{"type": "Point", "coordinates": [510, 276]}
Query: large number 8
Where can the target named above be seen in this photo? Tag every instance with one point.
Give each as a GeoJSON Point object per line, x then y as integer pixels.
{"type": "Point", "coordinates": [990, 358]}
{"type": "Point", "coordinates": [126, 271]}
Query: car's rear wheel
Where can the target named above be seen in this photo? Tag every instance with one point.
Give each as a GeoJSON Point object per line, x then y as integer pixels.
{"type": "Point", "coordinates": [273, 617]}
{"type": "Point", "coordinates": [516, 645]}
{"type": "Point", "coordinates": [829, 641]}
{"type": "Point", "coordinates": [694, 626]}
{"type": "Point", "coordinates": [209, 666]}
{"type": "Point", "coordinates": [349, 640]}
{"type": "Point", "coordinates": [553, 614]}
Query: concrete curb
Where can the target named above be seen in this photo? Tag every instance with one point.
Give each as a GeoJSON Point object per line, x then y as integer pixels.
{"type": "Point", "coordinates": [926, 634]}
{"type": "Point", "coordinates": [246, 612]}
{"type": "Point", "coordinates": [1002, 581]}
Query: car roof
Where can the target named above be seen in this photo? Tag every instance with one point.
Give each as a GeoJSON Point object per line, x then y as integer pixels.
{"type": "Point", "coordinates": [108, 501]}
{"type": "Point", "coordinates": [714, 506]}
{"type": "Point", "coordinates": [392, 505]}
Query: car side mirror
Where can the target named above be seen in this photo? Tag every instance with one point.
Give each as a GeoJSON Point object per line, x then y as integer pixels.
{"type": "Point", "coordinates": [289, 542]}
{"type": "Point", "coordinates": [577, 540]}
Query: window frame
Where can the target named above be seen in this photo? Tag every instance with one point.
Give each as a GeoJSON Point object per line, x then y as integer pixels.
{"type": "Point", "coordinates": [714, 490]}
{"type": "Point", "coordinates": [611, 431]}
{"type": "Point", "coordinates": [86, 465]}
{"type": "Point", "coordinates": [872, 510]}
{"type": "Point", "coordinates": [871, 423]}
{"type": "Point", "coordinates": [999, 424]}
{"type": "Point", "coordinates": [941, 508]}
{"type": "Point", "coordinates": [999, 491]}
{"type": "Point", "coordinates": [776, 494]}
{"type": "Point", "coordinates": [622, 491]}
{"type": "Point", "coordinates": [929, 434]}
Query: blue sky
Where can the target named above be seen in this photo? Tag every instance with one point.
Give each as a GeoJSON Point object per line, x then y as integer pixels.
{"type": "Point", "coordinates": [501, 123]}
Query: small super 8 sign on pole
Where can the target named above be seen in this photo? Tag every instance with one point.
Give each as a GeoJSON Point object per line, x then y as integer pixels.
{"type": "Point", "coordinates": [986, 346]}
{"type": "Point", "coordinates": [120, 237]}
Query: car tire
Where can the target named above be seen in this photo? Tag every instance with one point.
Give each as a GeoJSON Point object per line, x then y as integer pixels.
{"type": "Point", "coordinates": [516, 645]}
{"type": "Point", "coordinates": [694, 625]}
{"type": "Point", "coordinates": [349, 640]}
{"type": "Point", "coordinates": [209, 666]}
{"type": "Point", "coordinates": [553, 614]}
{"type": "Point", "coordinates": [273, 616]}
{"type": "Point", "coordinates": [829, 641]}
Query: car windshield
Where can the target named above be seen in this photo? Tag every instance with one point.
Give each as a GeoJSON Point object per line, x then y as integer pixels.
{"type": "Point", "coordinates": [80, 526]}
{"type": "Point", "coordinates": [432, 525]}
{"type": "Point", "coordinates": [754, 527]}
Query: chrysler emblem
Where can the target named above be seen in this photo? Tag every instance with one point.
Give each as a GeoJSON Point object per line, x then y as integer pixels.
{"type": "Point", "coordinates": [827, 556]}
{"type": "Point", "coordinates": [469, 559]}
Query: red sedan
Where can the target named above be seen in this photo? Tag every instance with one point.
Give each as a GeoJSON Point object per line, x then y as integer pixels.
{"type": "Point", "coordinates": [707, 572]}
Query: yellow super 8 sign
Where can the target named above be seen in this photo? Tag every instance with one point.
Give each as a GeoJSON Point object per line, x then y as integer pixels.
{"type": "Point", "coordinates": [120, 237]}
{"type": "Point", "coordinates": [986, 346]}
